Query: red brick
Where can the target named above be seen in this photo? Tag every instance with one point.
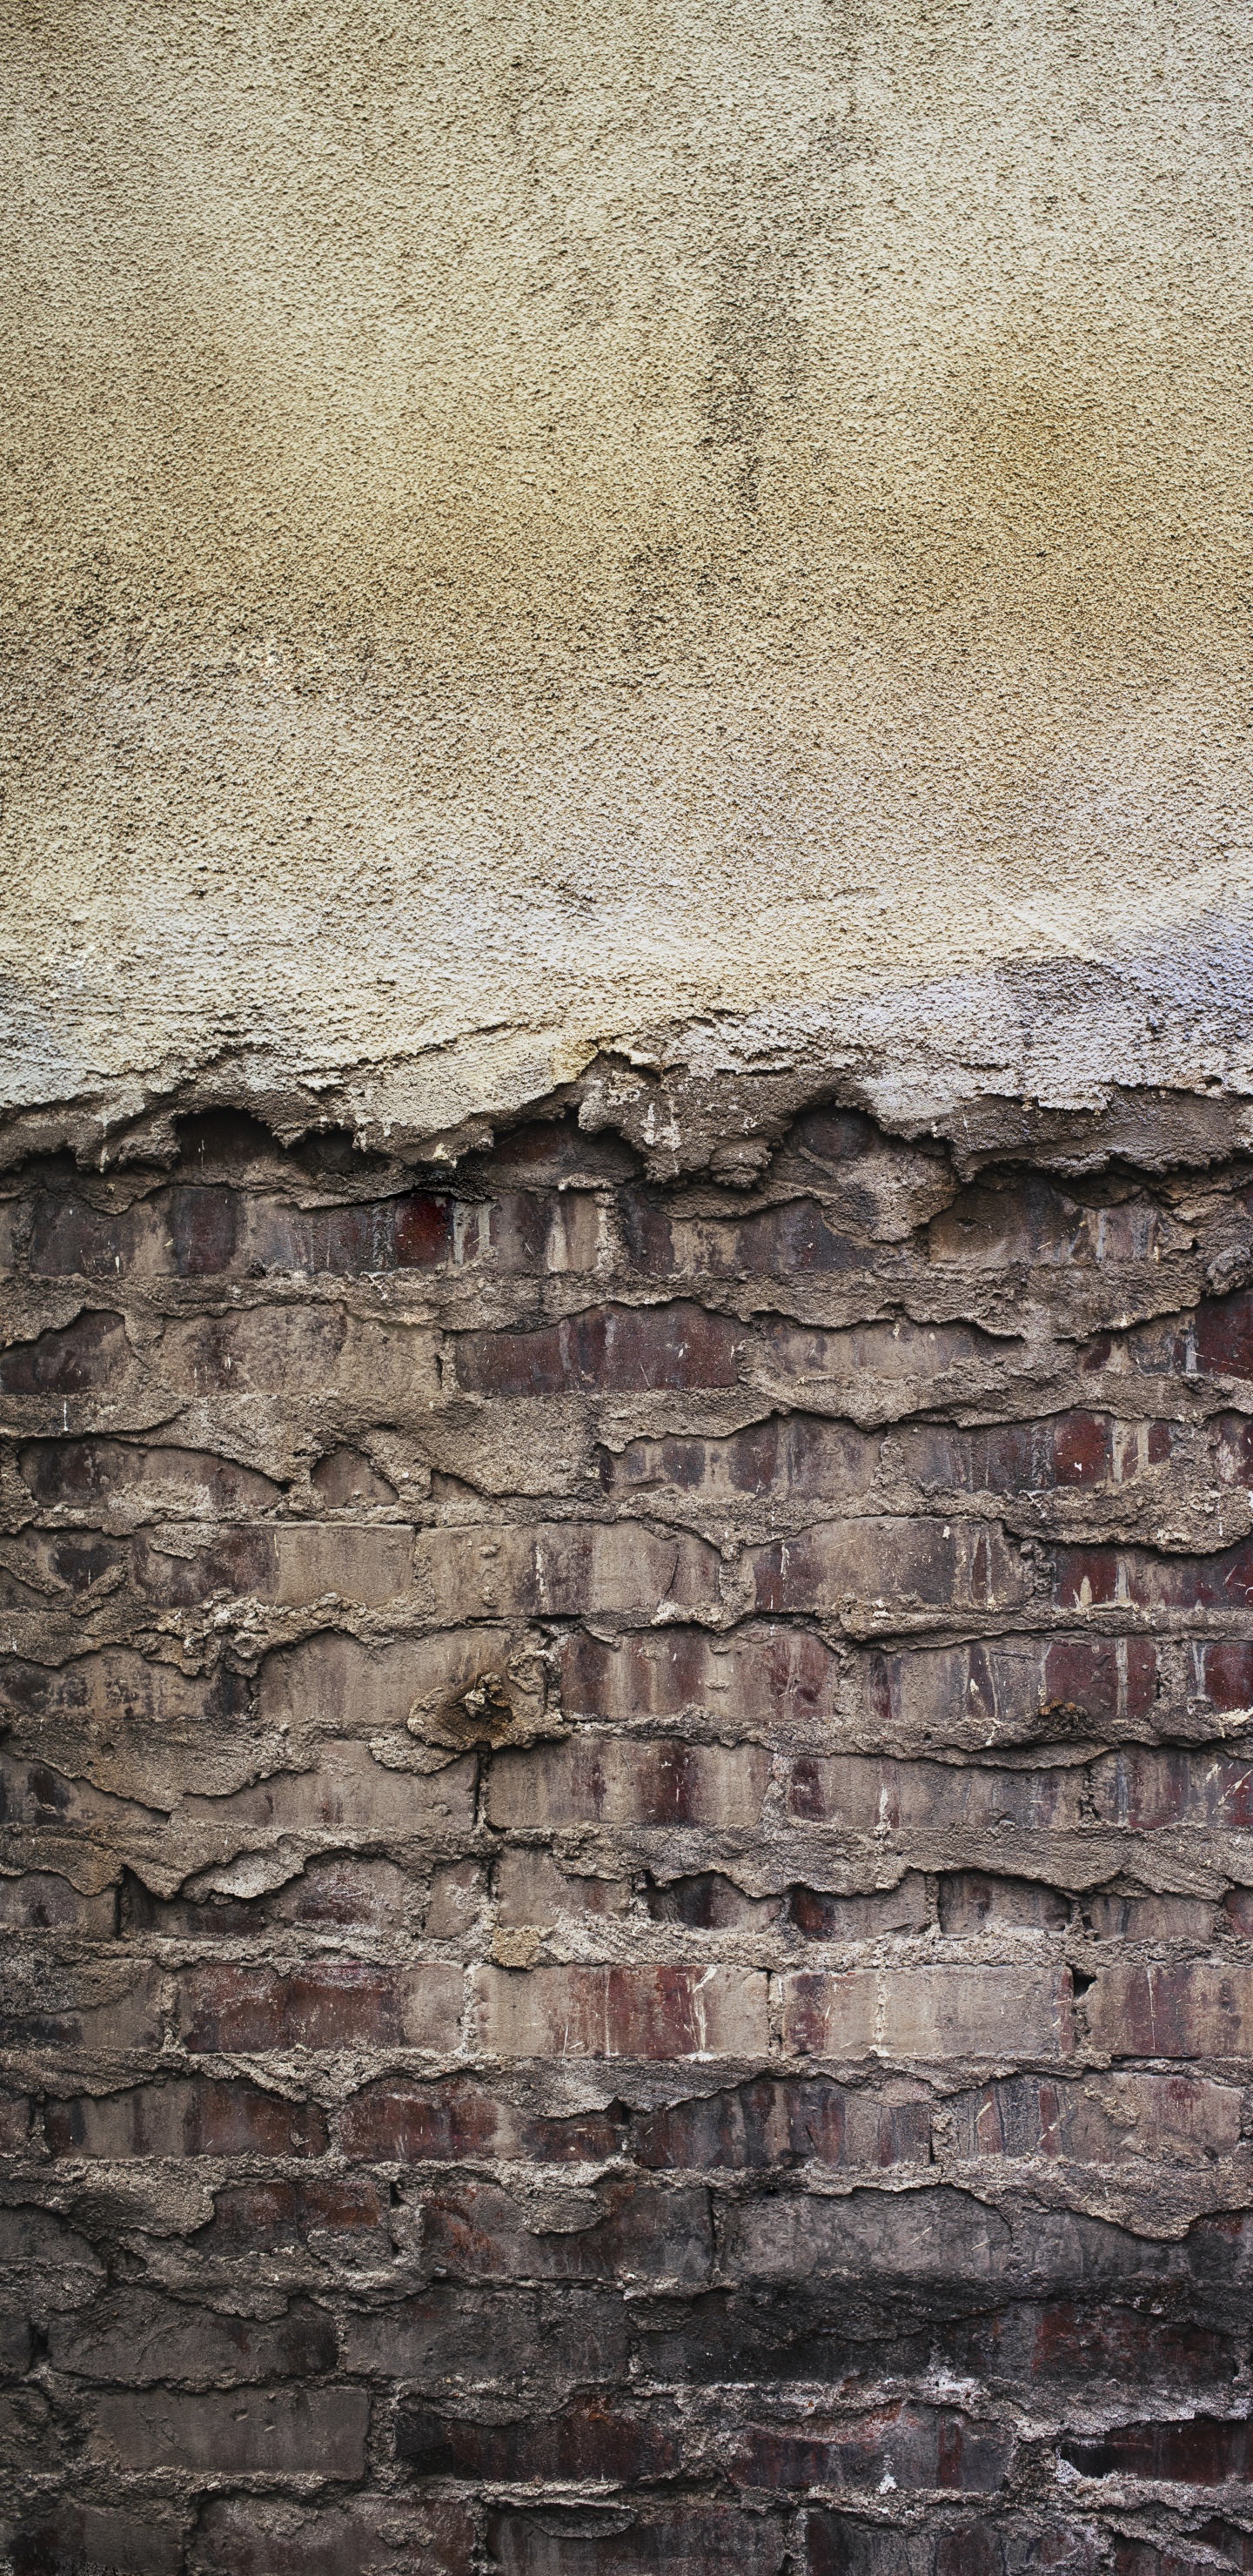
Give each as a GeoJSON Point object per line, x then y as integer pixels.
{"type": "Point", "coordinates": [199, 2118]}
{"type": "Point", "coordinates": [1206, 2451]}
{"type": "Point", "coordinates": [1178, 2117]}
{"type": "Point", "coordinates": [999, 1692]}
{"type": "Point", "coordinates": [861, 1794]}
{"type": "Point", "coordinates": [1191, 2009]}
{"type": "Point", "coordinates": [773, 2122]}
{"type": "Point", "coordinates": [928, 2012]}
{"type": "Point", "coordinates": [891, 1565]}
{"type": "Point", "coordinates": [661, 2540]}
{"type": "Point", "coordinates": [402, 2121]}
{"type": "Point", "coordinates": [596, 2441]}
{"type": "Point", "coordinates": [767, 1676]}
{"type": "Point", "coordinates": [1221, 1336]}
{"type": "Point", "coordinates": [1097, 1577]}
{"type": "Point", "coordinates": [646, 2238]}
{"type": "Point", "coordinates": [794, 1453]}
{"type": "Point", "coordinates": [916, 2446]}
{"type": "Point", "coordinates": [1227, 1676]}
{"type": "Point", "coordinates": [319, 2432]}
{"type": "Point", "coordinates": [1057, 2339]}
{"type": "Point", "coordinates": [91, 1352]}
{"type": "Point", "coordinates": [346, 2004]}
{"type": "Point", "coordinates": [246, 2536]}
{"type": "Point", "coordinates": [615, 1780]}
{"type": "Point", "coordinates": [606, 1350]}
{"type": "Point", "coordinates": [1144, 1787]}
{"type": "Point", "coordinates": [621, 2012]}
{"type": "Point", "coordinates": [564, 1569]}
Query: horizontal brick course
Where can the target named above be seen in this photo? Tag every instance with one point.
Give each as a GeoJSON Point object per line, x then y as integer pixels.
{"type": "Point", "coordinates": [595, 1779]}
{"type": "Point", "coordinates": [345, 2004]}
{"type": "Point", "coordinates": [928, 2012]}
{"type": "Point", "coordinates": [621, 2012]}
{"type": "Point", "coordinates": [607, 1350]}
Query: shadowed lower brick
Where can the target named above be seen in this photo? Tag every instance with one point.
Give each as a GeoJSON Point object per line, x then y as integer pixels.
{"type": "Point", "coordinates": [1206, 2451]}
{"type": "Point", "coordinates": [248, 2536]}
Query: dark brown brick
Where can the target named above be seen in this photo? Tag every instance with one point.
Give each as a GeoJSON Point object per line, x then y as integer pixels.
{"type": "Point", "coordinates": [606, 1350]}
{"type": "Point", "coordinates": [309, 2432]}
{"type": "Point", "coordinates": [62, 2534]}
{"type": "Point", "coordinates": [246, 2536]}
{"type": "Point", "coordinates": [658, 2540]}
{"type": "Point", "coordinates": [916, 2446]}
{"type": "Point", "coordinates": [137, 2338]}
{"type": "Point", "coordinates": [645, 2238]}
{"type": "Point", "coordinates": [90, 1353]}
{"type": "Point", "coordinates": [773, 2122]}
{"type": "Point", "coordinates": [776, 1675]}
{"type": "Point", "coordinates": [1206, 2451]}
{"type": "Point", "coordinates": [90, 1476]}
{"type": "Point", "coordinates": [257, 2215]}
{"type": "Point", "coordinates": [596, 2439]}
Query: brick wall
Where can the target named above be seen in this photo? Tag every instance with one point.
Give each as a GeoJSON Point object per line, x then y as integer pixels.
{"type": "Point", "coordinates": [628, 1864]}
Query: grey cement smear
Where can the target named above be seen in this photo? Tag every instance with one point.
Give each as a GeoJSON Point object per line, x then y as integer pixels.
{"type": "Point", "coordinates": [554, 531]}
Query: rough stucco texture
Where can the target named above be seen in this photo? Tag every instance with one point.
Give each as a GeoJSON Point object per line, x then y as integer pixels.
{"type": "Point", "coordinates": [528, 527]}
{"type": "Point", "coordinates": [627, 1866]}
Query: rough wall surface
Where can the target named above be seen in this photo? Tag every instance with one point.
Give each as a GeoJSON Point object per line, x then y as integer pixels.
{"type": "Point", "coordinates": [628, 1865]}
{"type": "Point", "coordinates": [533, 528]}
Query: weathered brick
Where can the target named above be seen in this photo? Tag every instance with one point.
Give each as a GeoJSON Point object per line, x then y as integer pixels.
{"type": "Point", "coordinates": [102, 2006]}
{"type": "Point", "coordinates": [402, 2120]}
{"type": "Point", "coordinates": [1148, 1918]}
{"type": "Point", "coordinates": [666, 2540]}
{"type": "Point", "coordinates": [318, 2432]}
{"type": "Point", "coordinates": [80, 1358]}
{"type": "Point", "coordinates": [929, 2012]}
{"type": "Point", "coordinates": [597, 2439]}
{"type": "Point", "coordinates": [904, 1908]}
{"type": "Point", "coordinates": [1206, 2451]}
{"type": "Point", "coordinates": [861, 1794]}
{"type": "Point", "coordinates": [1182, 2117]}
{"type": "Point", "coordinates": [62, 2533]}
{"type": "Point", "coordinates": [118, 1478]}
{"type": "Point", "coordinates": [971, 1900]}
{"type": "Point", "coordinates": [451, 2338]}
{"type": "Point", "coordinates": [564, 1569]}
{"type": "Point", "coordinates": [246, 2536]}
{"type": "Point", "coordinates": [346, 1481]}
{"type": "Point", "coordinates": [181, 2118]}
{"type": "Point", "coordinates": [1060, 2339]}
{"type": "Point", "coordinates": [914, 2446]}
{"type": "Point", "coordinates": [709, 1902]}
{"type": "Point", "coordinates": [765, 1676]}
{"type": "Point", "coordinates": [1190, 2009]}
{"type": "Point", "coordinates": [339, 2004]}
{"type": "Point", "coordinates": [633, 2232]}
{"type": "Point", "coordinates": [880, 2242]}
{"type": "Point", "coordinates": [1100, 1577]}
{"type": "Point", "coordinates": [256, 2215]}
{"type": "Point", "coordinates": [289, 1564]}
{"type": "Point", "coordinates": [138, 2338]}
{"type": "Point", "coordinates": [621, 2012]}
{"type": "Point", "coordinates": [612, 1780]}
{"type": "Point", "coordinates": [531, 1889]}
{"type": "Point", "coordinates": [890, 1566]}
{"type": "Point", "coordinates": [1002, 1692]}
{"type": "Point", "coordinates": [877, 1368]}
{"type": "Point", "coordinates": [606, 1350]}
{"type": "Point", "coordinates": [783, 2122]}
{"type": "Point", "coordinates": [349, 1798]}
{"type": "Point", "coordinates": [41, 1902]}
{"type": "Point", "coordinates": [298, 1351]}
{"type": "Point", "coordinates": [1147, 1786]}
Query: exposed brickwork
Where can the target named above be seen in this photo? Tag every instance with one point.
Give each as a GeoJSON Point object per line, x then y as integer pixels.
{"type": "Point", "coordinates": [627, 1866]}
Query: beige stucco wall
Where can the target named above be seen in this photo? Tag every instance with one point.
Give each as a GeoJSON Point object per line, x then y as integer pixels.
{"type": "Point", "coordinates": [535, 528]}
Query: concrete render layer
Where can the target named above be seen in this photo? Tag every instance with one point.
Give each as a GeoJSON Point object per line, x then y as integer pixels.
{"type": "Point", "coordinates": [602, 552]}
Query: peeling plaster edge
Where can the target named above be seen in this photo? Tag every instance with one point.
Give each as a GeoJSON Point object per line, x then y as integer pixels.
{"type": "Point", "coordinates": [1066, 1064]}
